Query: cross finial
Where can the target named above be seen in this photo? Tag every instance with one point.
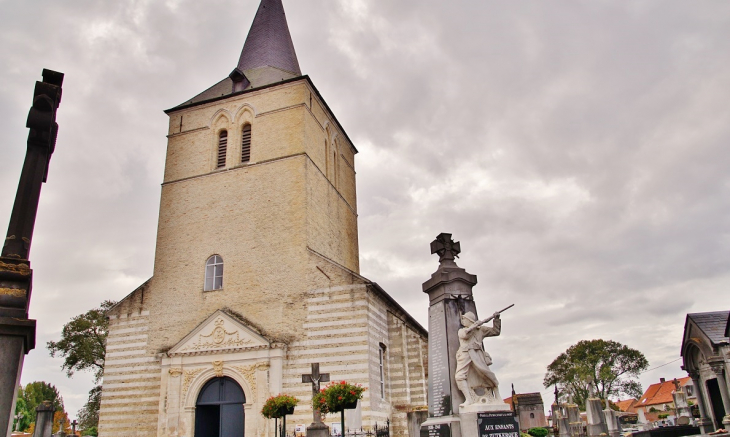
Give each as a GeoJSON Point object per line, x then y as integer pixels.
{"type": "Point", "coordinates": [446, 248]}
{"type": "Point", "coordinates": [676, 384]}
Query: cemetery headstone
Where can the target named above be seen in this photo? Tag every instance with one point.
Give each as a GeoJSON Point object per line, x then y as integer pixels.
{"type": "Point", "coordinates": [684, 414]}
{"type": "Point", "coordinates": [44, 420]}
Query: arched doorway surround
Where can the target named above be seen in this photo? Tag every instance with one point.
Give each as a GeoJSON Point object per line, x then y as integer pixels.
{"type": "Point", "coordinates": [243, 355]}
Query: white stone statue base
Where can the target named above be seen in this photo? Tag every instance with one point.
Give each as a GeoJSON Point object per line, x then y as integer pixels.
{"type": "Point", "coordinates": [483, 407]}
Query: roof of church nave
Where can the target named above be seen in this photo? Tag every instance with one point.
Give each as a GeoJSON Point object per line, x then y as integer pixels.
{"type": "Point", "coordinates": [268, 56]}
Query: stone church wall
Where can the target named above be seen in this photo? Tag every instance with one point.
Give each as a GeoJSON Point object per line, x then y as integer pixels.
{"type": "Point", "coordinates": [131, 395]}
{"type": "Point", "coordinates": [285, 225]}
{"type": "Point", "coordinates": [408, 376]}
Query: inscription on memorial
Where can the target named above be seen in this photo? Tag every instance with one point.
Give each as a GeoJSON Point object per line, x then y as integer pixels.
{"type": "Point", "coordinates": [436, 430]}
{"type": "Point", "coordinates": [440, 382]}
{"type": "Point", "coordinates": [456, 289]}
{"type": "Point", "coordinates": [497, 425]}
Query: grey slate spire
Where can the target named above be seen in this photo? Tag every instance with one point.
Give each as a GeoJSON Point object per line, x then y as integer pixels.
{"type": "Point", "coordinates": [269, 43]}
{"type": "Point", "coordinates": [267, 57]}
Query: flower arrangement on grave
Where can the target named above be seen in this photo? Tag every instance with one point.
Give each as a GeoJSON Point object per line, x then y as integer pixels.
{"type": "Point", "coordinates": [337, 396]}
{"type": "Point", "coordinates": [279, 406]}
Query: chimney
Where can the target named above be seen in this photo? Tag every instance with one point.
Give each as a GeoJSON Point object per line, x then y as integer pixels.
{"type": "Point", "coordinates": [662, 380]}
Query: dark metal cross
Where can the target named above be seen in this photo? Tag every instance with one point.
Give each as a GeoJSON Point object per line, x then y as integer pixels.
{"type": "Point", "coordinates": [446, 248]}
{"type": "Point", "coordinates": [41, 142]}
{"type": "Point", "coordinates": [73, 427]}
{"type": "Point", "coordinates": [315, 378]}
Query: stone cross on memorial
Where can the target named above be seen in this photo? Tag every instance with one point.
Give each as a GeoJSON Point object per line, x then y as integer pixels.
{"type": "Point", "coordinates": [315, 378]}
{"type": "Point", "coordinates": [446, 248]}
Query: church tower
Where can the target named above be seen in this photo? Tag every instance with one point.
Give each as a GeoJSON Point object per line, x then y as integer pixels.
{"type": "Point", "coordinates": [256, 271]}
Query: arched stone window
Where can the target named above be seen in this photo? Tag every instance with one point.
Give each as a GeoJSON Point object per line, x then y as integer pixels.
{"type": "Point", "coordinates": [246, 143]}
{"type": "Point", "coordinates": [222, 148]}
{"type": "Point", "coordinates": [213, 273]}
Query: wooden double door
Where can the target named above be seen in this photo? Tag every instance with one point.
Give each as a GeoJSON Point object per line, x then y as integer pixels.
{"type": "Point", "coordinates": [219, 409]}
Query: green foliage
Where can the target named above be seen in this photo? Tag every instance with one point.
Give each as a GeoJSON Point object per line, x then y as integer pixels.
{"type": "Point", "coordinates": [90, 431]}
{"type": "Point", "coordinates": [89, 413]}
{"type": "Point", "coordinates": [21, 409]}
{"type": "Point", "coordinates": [663, 415]}
{"type": "Point", "coordinates": [608, 365]}
{"type": "Point", "coordinates": [524, 434]}
{"type": "Point", "coordinates": [653, 410]}
{"type": "Point", "coordinates": [83, 342]}
{"type": "Point", "coordinates": [273, 405]}
{"type": "Point", "coordinates": [538, 432]}
{"type": "Point", "coordinates": [36, 392]}
{"type": "Point", "coordinates": [336, 396]}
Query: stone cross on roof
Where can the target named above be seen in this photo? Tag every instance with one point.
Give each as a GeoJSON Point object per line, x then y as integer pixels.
{"type": "Point", "coordinates": [446, 248]}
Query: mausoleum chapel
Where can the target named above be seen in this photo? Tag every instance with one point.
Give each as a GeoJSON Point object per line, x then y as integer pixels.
{"type": "Point", "coordinates": [256, 273]}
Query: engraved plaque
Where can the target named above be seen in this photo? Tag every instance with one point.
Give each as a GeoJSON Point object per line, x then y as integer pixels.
{"type": "Point", "coordinates": [436, 430]}
{"type": "Point", "coordinates": [498, 425]}
{"type": "Point", "coordinates": [439, 380]}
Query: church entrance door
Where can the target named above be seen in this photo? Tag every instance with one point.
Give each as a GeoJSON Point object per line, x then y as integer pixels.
{"type": "Point", "coordinates": [219, 410]}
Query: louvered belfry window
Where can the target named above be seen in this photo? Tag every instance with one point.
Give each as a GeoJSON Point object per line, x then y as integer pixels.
{"type": "Point", "coordinates": [222, 147]}
{"type": "Point", "coordinates": [246, 143]}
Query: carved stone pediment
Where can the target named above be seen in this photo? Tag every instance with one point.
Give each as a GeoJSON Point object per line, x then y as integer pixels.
{"type": "Point", "coordinates": [219, 333]}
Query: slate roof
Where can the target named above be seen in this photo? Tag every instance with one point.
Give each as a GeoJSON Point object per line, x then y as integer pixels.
{"type": "Point", "coordinates": [268, 55]}
{"type": "Point", "coordinates": [269, 42]}
{"type": "Point", "coordinates": [660, 393]}
{"type": "Point", "coordinates": [713, 324]}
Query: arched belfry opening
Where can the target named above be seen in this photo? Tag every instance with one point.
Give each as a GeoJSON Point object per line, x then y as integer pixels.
{"type": "Point", "coordinates": [219, 409]}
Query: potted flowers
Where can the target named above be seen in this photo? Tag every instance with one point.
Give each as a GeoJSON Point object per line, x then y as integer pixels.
{"type": "Point", "coordinates": [338, 397]}
{"type": "Point", "coordinates": [279, 406]}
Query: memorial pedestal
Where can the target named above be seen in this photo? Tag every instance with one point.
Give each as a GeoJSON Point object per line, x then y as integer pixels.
{"type": "Point", "coordinates": [444, 426]}
{"type": "Point", "coordinates": [489, 424]}
{"type": "Point", "coordinates": [318, 430]}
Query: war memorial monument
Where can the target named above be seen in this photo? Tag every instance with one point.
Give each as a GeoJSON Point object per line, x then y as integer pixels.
{"type": "Point", "coordinates": [463, 392]}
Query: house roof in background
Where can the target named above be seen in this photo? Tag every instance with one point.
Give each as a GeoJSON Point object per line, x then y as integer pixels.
{"type": "Point", "coordinates": [626, 405]}
{"type": "Point", "coordinates": [660, 393]}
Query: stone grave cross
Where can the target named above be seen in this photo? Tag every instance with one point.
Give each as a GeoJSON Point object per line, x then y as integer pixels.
{"type": "Point", "coordinates": [315, 378]}
{"type": "Point", "coordinates": [676, 385]}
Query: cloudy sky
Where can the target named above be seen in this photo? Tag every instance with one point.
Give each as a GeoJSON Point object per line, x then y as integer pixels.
{"type": "Point", "coordinates": [578, 150]}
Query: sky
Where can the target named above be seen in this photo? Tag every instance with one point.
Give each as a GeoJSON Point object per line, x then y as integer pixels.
{"type": "Point", "coordinates": [578, 150]}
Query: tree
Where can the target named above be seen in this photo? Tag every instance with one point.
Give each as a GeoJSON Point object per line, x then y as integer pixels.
{"type": "Point", "coordinates": [36, 392]}
{"type": "Point", "coordinates": [83, 342]}
{"type": "Point", "coordinates": [89, 414]}
{"type": "Point", "coordinates": [608, 366]}
{"type": "Point", "coordinates": [60, 421]}
{"type": "Point", "coordinates": [22, 418]}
